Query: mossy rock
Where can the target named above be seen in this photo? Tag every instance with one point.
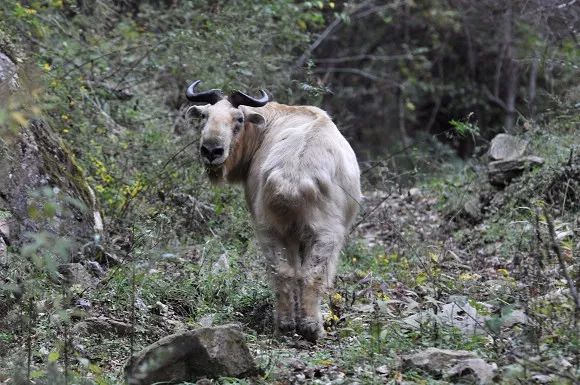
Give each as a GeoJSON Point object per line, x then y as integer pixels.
{"type": "Point", "coordinates": [44, 189]}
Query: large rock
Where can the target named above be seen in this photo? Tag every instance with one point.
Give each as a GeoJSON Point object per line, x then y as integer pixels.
{"type": "Point", "coordinates": [204, 352]}
{"type": "Point", "coordinates": [41, 186]}
{"type": "Point", "coordinates": [505, 147]}
{"type": "Point", "coordinates": [507, 159]}
{"type": "Point", "coordinates": [455, 365]}
{"type": "Point", "coordinates": [501, 172]}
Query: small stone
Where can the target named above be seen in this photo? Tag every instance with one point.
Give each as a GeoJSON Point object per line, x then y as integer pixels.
{"type": "Point", "coordinates": [414, 192]}
{"type": "Point", "coordinates": [96, 268]}
{"type": "Point", "coordinates": [383, 370]}
{"type": "Point", "coordinates": [222, 265]}
{"type": "Point", "coordinates": [464, 317]}
{"type": "Point", "coordinates": [543, 378]}
{"type": "Point", "coordinates": [297, 365]}
{"type": "Point", "coordinates": [513, 318]}
{"type": "Point", "coordinates": [84, 304]}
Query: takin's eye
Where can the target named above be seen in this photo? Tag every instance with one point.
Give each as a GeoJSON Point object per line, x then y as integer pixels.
{"type": "Point", "coordinates": [240, 119]}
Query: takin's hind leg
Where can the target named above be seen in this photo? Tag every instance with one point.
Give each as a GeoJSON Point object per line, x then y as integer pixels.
{"type": "Point", "coordinates": [284, 313]}
{"type": "Point", "coordinates": [310, 323]}
{"type": "Point", "coordinates": [317, 275]}
{"type": "Point", "coordinates": [282, 269]}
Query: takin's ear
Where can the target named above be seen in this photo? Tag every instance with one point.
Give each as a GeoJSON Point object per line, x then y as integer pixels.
{"type": "Point", "coordinates": [196, 111]}
{"type": "Point", "coordinates": [255, 119]}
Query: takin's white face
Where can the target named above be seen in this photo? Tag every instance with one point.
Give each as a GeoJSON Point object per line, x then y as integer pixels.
{"type": "Point", "coordinates": [223, 129]}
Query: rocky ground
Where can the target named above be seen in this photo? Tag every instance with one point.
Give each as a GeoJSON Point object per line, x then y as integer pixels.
{"type": "Point", "coordinates": [413, 303]}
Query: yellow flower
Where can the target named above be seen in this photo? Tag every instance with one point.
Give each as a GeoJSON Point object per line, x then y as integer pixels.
{"type": "Point", "coordinates": [47, 67]}
{"type": "Point", "coordinates": [337, 300]}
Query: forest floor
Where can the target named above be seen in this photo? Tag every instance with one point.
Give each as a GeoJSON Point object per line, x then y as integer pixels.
{"type": "Point", "coordinates": [421, 269]}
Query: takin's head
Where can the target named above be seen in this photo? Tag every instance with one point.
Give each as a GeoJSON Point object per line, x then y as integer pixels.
{"type": "Point", "coordinates": [223, 123]}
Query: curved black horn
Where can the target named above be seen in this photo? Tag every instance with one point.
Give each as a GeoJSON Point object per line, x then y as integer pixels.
{"type": "Point", "coordinates": [238, 98]}
{"type": "Point", "coordinates": [211, 96]}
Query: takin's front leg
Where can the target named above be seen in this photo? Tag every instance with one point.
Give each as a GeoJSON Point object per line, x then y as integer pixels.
{"type": "Point", "coordinates": [317, 274]}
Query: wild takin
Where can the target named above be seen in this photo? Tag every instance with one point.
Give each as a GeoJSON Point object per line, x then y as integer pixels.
{"type": "Point", "coordinates": [302, 186]}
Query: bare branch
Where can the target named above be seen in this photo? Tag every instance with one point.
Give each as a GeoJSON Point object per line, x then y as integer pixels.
{"type": "Point", "coordinates": [344, 59]}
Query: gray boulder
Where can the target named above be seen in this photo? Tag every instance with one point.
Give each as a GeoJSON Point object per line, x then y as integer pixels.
{"type": "Point", "coordinates": [205, 352]}
{"type": "Point", "coordinates": [507, 159]}
{"type": "Point", "coordinates": [505, 147]}
{"type": "Point", "coordinates": [501, 172]}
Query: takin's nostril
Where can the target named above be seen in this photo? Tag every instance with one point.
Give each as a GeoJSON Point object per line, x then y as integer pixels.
{"type": "Point", "coordinates": [205, 152]}
{"type": "Point", "coordinates": [217, 152]}
{"type": "Point", "coordinates": [211, 152]}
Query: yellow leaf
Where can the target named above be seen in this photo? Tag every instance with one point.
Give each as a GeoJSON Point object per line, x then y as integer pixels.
{"type": "Point", "coordinates": [434, 257]}
{"type": "Point", "coordinates": [325, 362]}
{"type": "Point", "coordinates": [466, 277]}
{"type": "Point", "coordinates": [53, 356]}
{"type": "Point", "coordinates": [421, 278]}
{"type": "Point", "coordinates": [19, 118]}
{"type": "Point", "coordinates": [504, 272]}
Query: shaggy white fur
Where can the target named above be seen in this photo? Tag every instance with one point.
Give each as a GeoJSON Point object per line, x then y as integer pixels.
{"type": "Point", "coordinates": [302, 185]}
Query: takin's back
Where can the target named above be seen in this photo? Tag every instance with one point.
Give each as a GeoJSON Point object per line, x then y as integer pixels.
{"type": "Point", "coordinates": [304, 171]}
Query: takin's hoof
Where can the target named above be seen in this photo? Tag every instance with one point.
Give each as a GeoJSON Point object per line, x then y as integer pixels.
{"type": "Point", "coordinates": [285, 327]}
{"type": "Point", "coordinates": [311, 330]}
